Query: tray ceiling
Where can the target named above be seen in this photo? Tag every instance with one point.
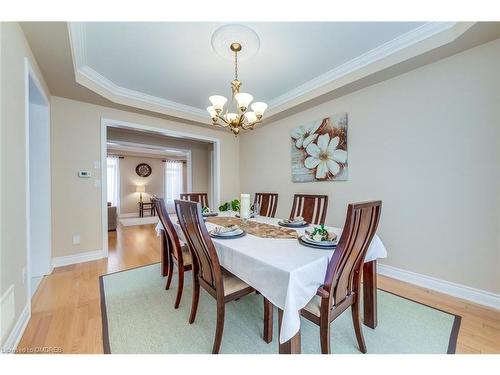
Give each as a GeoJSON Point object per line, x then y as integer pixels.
{"type": "Point", "coordinates": [171, 67]}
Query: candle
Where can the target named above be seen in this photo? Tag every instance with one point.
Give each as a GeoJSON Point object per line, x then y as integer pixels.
{"type": "Point", "coordinates": [245, 206]}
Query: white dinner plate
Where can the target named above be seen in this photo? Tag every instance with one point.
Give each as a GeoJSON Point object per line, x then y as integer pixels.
{"type": "Point", "coordinates": [319, 243]}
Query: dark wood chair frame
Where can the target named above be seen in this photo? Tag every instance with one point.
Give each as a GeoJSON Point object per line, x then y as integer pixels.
{"type": "Point", "coordinates": [171, 250]}
{"type": "Point", "coordinates": [312, 208]}
{"type": "Point", "coordinates": [341, 288]}
{"type": "Point", "coordinates": [268, 203]}
{"type": "Point", "coordinates": [207, 271]}
{"type": "Point", "coordinates": [196, 197]}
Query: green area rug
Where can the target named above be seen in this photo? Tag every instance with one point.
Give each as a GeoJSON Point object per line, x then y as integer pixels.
{"type": "Point", "coordinates": [138, 316]}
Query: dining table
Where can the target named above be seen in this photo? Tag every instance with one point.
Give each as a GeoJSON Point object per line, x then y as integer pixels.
{"type": "Point", "coordinates": [286, 272]}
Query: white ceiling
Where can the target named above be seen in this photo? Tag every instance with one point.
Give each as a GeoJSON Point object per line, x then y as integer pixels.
{"type": "Point", "coordinates": [171, 68]}
{"type": "Point", "coordinates": [175, 61]}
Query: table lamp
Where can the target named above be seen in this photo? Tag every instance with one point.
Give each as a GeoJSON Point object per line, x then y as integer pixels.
{"type": "Point", "coordinates": [140, 189]}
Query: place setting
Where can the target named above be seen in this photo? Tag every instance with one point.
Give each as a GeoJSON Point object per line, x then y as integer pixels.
{"type": "Point", "coordinates": [319, 237]}
{"type": "Point", "coordinates": [227, 232]}
{"type": "Point", "coordinates": [296, 222]}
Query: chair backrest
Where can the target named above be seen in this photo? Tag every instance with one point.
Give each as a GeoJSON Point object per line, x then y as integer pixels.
{"type": "Point", "coordinates": [312, 208]}
{"type": "Point", "coordinates": [196, 197]}
{"type": "Point", "coordinates": [206, 263]}
{"type": "Point", "coordinates": [170, 232]}
{"type": "Point", "coordinates": [343, 275]}
{"type": "Point", "coordinates": [268, 203]}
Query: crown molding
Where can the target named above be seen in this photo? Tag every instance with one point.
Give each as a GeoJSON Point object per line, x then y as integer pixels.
{"type": "Point", "coordinates": [88, 77]}
{"type": "Point", "coordinates": [415, 42]}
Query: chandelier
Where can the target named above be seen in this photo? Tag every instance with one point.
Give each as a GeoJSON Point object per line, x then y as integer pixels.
{"type": "Point", "coordinates": [239, 118]}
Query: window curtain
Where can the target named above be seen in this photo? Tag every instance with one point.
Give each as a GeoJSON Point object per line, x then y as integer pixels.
{"type": "Point", "coordinates": [113, 181]}
{"type": "Point", "coordinates": [173, 183]}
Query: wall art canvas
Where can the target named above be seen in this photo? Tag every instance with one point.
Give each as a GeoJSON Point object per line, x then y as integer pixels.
{"type": "Point", "coordinates": [319, 150]}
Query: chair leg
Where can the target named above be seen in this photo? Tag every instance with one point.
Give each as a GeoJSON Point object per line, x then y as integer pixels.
{"type": "Point", "coordinates": [196, 297]}
{"type": "Point", "coordinates": [356, 320]}
{"type": "Point", "coordinates": [324, 334]}
{"type": "Point", "coordinates": [268, 321]}
{"type": "Point", "coordinates": [180, 287]}
{"type": "Point", "coordinates": [170, 267]}
{"type": "Point", "coordinates": [221, 307]}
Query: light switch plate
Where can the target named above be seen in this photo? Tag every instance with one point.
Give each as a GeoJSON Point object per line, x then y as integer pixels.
{"type": "Point", "coordinates": [76, 239]}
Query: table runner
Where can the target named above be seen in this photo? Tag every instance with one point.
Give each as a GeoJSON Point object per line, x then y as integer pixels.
{"type": "Point", "coordinates": [261, 230]}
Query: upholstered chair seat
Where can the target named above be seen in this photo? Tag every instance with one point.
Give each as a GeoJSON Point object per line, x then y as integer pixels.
{"type": "Point", "coordinates": [232, 284]}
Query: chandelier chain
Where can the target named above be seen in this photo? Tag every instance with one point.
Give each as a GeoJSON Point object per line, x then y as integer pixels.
{"type": "Point", "coordinates": [236, 65]}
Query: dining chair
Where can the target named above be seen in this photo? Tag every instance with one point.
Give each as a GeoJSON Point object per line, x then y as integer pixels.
{"type": "Point", "coordinates": [341, 287]}
{"type": "Point", "coordinates": [196, 197]}
{"type": "Point", "coordinates": [268, 203]}
{"type": "Point", "coordinates": [312, 208]}
{"type": "Point", "coordinates": [174, 252]}
{"type": "Point", "coordinates": [207, 271]}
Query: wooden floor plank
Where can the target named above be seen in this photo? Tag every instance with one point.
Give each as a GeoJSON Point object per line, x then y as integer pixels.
{"type": "Point", "coordinates": [66, 308]}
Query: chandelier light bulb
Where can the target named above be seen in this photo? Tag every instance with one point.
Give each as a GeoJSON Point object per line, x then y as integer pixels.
{"type": "Point", "coordinates": [218, 102]}
{"type": "Point", "coordinates": [243, 100]}
{"type": "Point", "coordinates": [259, 108]}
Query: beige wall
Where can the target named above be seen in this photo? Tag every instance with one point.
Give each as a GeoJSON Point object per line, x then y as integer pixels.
{"type": "Point", "coordinates": [76, 202]}
{"type": "Point", "coordinates": [200, 157]}
{"type": "Point", "coordinates": [427, 143]}
{"type": "Point", "coordinates": [14, 49]}
{"type": "Point", "coordinates": [129, 179]}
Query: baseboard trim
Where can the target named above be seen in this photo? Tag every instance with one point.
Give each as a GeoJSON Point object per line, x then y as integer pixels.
{"type": "Point", "coordinates": [78, 258]}
{"type": "Point", "coordinates": [479, 296]}
{"type": "Point", "coordinates": [17, 332]}
{"type": "Point", "coordinates": [127, 222]}
{"type": "Point", "coordinates": [131, 214]}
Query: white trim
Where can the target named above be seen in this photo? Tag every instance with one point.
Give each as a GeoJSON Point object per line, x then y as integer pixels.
{"type": "Point", "coordinates": [78, 258]}
{"type": "Point", "coordinates": [479, 296]}
{"type": "Point", "coordinates": [105, 122]}
{"type": "Point", "coordinates": [132, 221]}
{"type": "Point", "coordinates": [18, 330]}
{"type": "Point", "coordinates": [131, 214]}
{"type": "Point", "coordinates": [30, 73]}
{"type": "Point", "coordinates": [394, 51]}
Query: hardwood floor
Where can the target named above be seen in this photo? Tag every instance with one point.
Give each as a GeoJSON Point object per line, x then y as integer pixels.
{"type": "Point", "coordinates": [66, 308]}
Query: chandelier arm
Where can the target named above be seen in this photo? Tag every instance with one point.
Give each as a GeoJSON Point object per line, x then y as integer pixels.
{"type": "Point", "coordinates": [223, 120]}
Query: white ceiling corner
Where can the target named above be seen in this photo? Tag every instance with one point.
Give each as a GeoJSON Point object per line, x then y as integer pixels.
{"type": "Point", "coordinates": [409, 44]}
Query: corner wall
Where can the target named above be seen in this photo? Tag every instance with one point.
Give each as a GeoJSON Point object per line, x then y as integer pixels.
{"type": "Point", "coordinates": [427, 143]}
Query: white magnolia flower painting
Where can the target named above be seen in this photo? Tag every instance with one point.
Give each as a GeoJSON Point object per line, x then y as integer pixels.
{"type": "Point", "coordinates": [319, 150]}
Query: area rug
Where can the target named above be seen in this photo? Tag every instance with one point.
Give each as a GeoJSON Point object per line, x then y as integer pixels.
{"type": "Point", "coordinates": [138, 316]}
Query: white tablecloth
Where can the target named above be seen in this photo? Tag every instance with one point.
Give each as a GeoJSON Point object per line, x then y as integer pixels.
{"type": "Point", "coordinates": [285, 272]}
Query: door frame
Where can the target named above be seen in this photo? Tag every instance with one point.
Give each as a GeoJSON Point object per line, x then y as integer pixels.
{"type": "Point", "coordinates": [29, 73]}
{"type": "Point", "coordinates": [108, 122]}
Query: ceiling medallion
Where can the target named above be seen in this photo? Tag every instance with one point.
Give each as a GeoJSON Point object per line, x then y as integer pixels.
{"type": "Point", "coordinates": [238, 118]}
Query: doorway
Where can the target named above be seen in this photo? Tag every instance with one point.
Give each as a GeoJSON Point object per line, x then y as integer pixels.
{"type": "Point", "coordinates": [38, 191]}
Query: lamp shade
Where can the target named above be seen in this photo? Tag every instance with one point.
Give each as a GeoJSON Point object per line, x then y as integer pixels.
{"type": "Point", "coordinates": [259, 108]}
{"type": "Point", "coordinates": [212, 111]}
{"type": "Point", "coordinates": [251, 117]}
{"type": "Point", "coordinates": [218, 102]}
{"type": "Point", "coordinates": [230, 117]}
{"type": "Point", "coordinates": [243, 100]}
{"type": "Point", "coordinates": [140, 188]}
